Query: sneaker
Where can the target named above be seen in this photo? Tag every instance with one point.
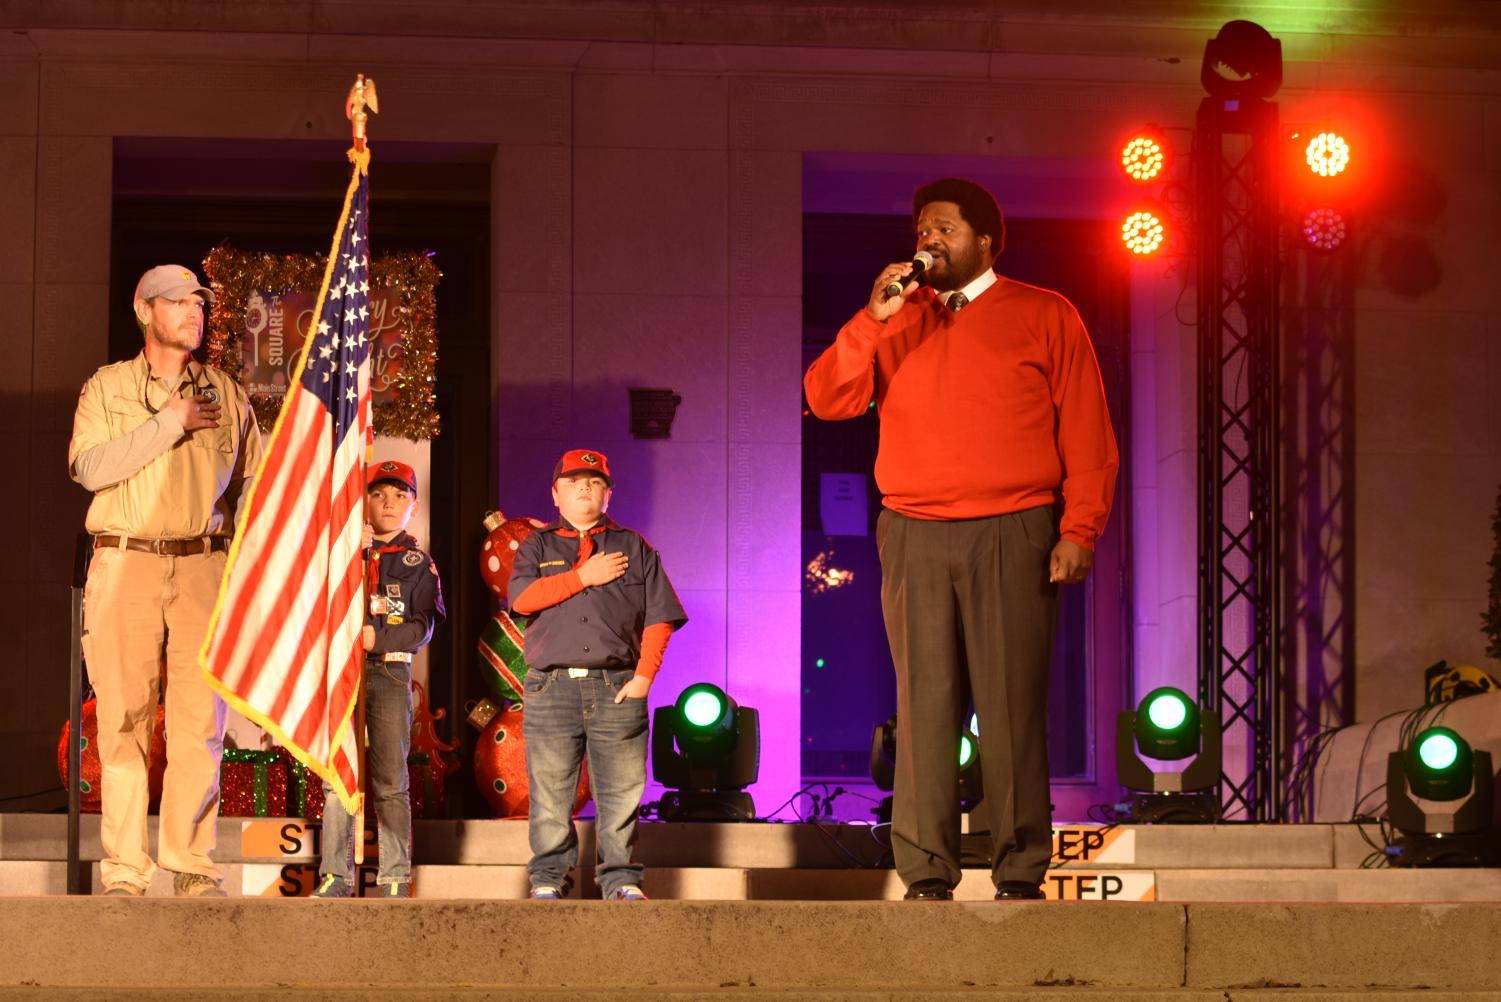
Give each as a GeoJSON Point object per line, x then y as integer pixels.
{"type": "Point", "coordinates": [124, 890]}
{"type": "Point", "coordinates": [396, 889]}
{"type": "Point", "coordinates": [196, 885]}
{"type": "Point", "coordinates": [546, 892]}
{"type": "Point", "coordinates": [332, 886]}
{"type": "Point", "coordinates": [626, 892]}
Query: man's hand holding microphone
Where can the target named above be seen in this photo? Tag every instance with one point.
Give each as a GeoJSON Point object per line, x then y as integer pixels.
{"type": "Point", "coordinates": [894, 284]}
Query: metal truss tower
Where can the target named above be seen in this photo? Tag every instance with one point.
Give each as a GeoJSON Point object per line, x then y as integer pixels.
{"type": "Point", "coordinates": [1236, 222]}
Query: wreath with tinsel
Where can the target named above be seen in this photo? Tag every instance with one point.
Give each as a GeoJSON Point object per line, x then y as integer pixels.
{"type": "Point", "coordinates": [410, 409]}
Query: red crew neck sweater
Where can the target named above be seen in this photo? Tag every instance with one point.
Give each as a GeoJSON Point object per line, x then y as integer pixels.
{"type": "Point", "coordinates": [994, 409]}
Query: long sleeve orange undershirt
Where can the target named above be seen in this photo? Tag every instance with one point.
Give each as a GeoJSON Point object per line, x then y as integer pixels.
{"type": "Point", "coordinates": [546, 592]}
{"type": "Point", "coordinates": [549, 591]}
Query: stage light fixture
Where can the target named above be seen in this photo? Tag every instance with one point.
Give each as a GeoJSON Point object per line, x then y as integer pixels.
{"type": "Point", "coordinates": [1242, 61]}
{"type": "Point", "coordinates": [1440, 769]}
{"type": "Point", "coordinates": [1168, 726]}
{"type": "Point", "coordinates": [1143, 158]}
{"type": "Point", "coordinates": [706, 750]}
{"type": "Point", "coordinates": [1324, 229]}
{"type": "Point", "coordinates": [883, 765]}
{"type": "Point", "coordinates": [1327, 154]}
{"type": "Point", "coordinates": [1143, 233]}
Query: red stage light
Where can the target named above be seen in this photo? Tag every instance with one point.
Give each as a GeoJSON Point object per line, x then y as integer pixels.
{"type": "Point", "coordinates": [1143, 158]}
{"type": "Point", "coordinates": [1142, 233]}
{"type": "Point", "coordinates": [1327, 154]}
{"type": "Point", "coordinates": [1324, 229]}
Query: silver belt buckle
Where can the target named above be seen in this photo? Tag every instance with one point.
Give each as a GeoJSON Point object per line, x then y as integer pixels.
{"type": "Point", "coordinates": [578, 673]}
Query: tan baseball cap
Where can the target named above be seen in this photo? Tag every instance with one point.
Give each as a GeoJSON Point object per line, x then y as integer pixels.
{"type": "Point", "coordinates": [171, 281]}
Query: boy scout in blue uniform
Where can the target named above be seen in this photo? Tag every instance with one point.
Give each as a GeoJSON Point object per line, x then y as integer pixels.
{"type": "Point", "coordinates": [604, 611]}
{"type": "Point", "coordinates": [406, 603]}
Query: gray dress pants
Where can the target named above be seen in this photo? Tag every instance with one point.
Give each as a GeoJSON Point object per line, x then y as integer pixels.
{"type": "Point", "coordinates": [970, 612]}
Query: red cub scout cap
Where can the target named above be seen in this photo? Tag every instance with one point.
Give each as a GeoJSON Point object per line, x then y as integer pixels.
{"type": "Point", "coordinates": [577, 461]}
{"type": "Point", "coordinates": [396, 473]}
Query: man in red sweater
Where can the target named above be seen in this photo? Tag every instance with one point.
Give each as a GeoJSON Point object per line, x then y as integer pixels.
{"type": "Point", "coordinates": [997, 463]}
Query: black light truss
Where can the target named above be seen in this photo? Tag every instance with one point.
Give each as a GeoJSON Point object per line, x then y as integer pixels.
{"type": "Point", "coordinates": [1236, 203]}
{"type": "Point", "coordinates": [1318, 687]}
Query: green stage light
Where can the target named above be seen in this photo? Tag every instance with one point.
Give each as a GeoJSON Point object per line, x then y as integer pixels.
{"type": "Point", "coordinates": [706, 750]}
{"type": "Point", "coordinates": [1438, 750]}
{"type": "Point", "coordinates": [704, 707]}
{"type": "Point", "coordinates": [1439, 796]}
{"type": "Point", "coordinates": [1168, 710]}
{"type": "Point", "coordinates": [1440, 765]}
{"type": "Point", "coordinates": [966, 750]}
{"type": "Point", "coordinates": [971, 786]}
{"type": "Point", "coordinates": [1167, 724]}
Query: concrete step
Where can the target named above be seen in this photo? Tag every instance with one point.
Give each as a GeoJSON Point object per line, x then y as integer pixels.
{"type": "Point", "coordinates": [842, 950]}
{"type": "Point", "coordinates": [755, 846]}
{"type": "Point", "coordinates": [481, 882]}
{"type": "Point", "coordinates": [294, 993]}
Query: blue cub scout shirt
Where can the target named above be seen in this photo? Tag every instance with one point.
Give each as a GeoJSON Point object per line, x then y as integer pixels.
{"type": "Point", "coordinates": [410, 595]}
{"type": "Point", "coordinates": [600, 627]}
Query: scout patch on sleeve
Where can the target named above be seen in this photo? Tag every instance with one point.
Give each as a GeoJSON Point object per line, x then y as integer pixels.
{"type": "Point", "coordinates": [551, 563]}
{"type": "Point", "coordinates": [411, 558]}
{"type": "Point", "coordinates": [393, 590]}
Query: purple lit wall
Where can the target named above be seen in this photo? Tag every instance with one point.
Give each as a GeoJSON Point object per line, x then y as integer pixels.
{"type": "Point", "coordinates": [660, 282]}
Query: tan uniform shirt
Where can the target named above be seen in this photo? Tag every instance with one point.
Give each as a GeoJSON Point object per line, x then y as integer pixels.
{"type": "Point", "coordinates": [148, 478]}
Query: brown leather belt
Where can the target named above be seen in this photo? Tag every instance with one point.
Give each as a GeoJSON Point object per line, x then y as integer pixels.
{"type": "Point", "coordinates": [163, 547]}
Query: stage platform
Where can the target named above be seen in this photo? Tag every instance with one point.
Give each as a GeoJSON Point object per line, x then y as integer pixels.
{"type": "Point", "coordinates": [485, 860]}
{"type": "Point", "coordinates": [795, 912]}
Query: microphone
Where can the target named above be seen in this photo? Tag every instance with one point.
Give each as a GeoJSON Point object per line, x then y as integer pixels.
{"type": "Point", "coordinates": [921, 262]}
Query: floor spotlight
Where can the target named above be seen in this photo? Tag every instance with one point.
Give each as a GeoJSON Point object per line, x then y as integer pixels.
{"type": "Point", "coordinates": [1327, 154]}
{"type": "Point", "coordinates": [1168, 726]}
{"type": "Point", "coordinates": [1439, 795]}
{"type": "Point", "coordinates": [883, 765]}
{"type": "Point", "coordinates": [1143, 232]}
{"type": "Point", "coordinates": [706, 750]}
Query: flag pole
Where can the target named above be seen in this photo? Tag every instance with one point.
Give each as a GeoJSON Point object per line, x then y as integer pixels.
{"type": "Point", "coordinates": [361, 95]}
{"type": "Point", "coordinates": [360, 743]}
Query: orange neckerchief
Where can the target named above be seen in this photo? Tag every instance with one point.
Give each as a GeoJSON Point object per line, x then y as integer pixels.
{"type": "Point", "coordinates": [372, 568]}
{"type": "Point", "coordinates": [586, 538]}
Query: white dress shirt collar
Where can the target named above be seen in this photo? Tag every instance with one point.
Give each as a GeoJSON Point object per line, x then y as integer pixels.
{"type": "Point", "coordinates": [972, 291]}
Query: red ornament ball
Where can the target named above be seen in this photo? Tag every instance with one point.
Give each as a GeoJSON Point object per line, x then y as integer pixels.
{"type": "Point", "coordinates": [500, 766]}
{"type": "Point", "coordinates": [89, 768]}
{"type": "Point", "coordinates": [498, 552]}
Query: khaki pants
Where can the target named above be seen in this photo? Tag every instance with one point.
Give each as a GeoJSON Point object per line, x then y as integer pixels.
{"type": "Point", "coordinates": [134, 603]}
{"type": "Point", "coordinates": [970, 614]}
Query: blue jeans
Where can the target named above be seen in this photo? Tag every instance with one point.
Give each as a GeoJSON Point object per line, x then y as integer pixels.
{"type": "Point", "coordinates": [388, 722]}
{"type": "Point", "coordinates": [565, 718]}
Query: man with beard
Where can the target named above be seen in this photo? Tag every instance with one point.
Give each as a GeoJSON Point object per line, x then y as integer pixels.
{"type": "Point", "coordinates": [169, 447]}
{"type": "Point", "coordinates": [997, 464]}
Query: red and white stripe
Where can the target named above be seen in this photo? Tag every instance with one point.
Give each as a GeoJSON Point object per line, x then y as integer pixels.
{"type": "Point", "coordinates": [288, 640]}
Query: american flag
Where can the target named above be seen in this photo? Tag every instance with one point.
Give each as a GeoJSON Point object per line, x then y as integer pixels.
{"type": "Point", "coordinates": [284, 645]}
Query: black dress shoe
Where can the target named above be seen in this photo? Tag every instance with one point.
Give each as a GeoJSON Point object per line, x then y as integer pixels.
{"type": "Point", "coordinates": [1018, 890]}
{"type": "Point", "coordinates": [929, 889]}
